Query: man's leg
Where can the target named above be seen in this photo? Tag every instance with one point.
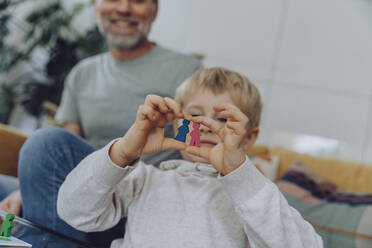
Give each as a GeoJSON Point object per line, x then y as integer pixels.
{"type": "Point", "coordinates": [45, 160]}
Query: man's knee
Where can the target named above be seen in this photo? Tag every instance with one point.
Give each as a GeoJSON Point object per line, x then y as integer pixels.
{"type": "Point", "coordinates": [42, 139]}
{"type": "Point", "coordinates": [39, 147]}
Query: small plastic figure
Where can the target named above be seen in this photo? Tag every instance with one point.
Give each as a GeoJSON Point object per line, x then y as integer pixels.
{"type": "Point", "coordinates": [182, 131]}
{"type": "Point", "coordinates": [195, 135]}
{"type": "Point", "coordinates": [7, 225]}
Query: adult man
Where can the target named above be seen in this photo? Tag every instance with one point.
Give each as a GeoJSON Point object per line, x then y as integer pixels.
{"type": "Point", "coordinates": [101, 91]}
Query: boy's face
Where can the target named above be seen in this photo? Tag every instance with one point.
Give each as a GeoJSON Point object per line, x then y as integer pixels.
{"type": "Point", "coordinates": [202, 104]}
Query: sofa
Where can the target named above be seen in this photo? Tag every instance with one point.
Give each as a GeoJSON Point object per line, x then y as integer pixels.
{"type": "Point", "coordinates": [329, 218]}
{"type": "Point", "coordinates": [341, 211]}
{"type": "Point", "coordinates": [349, 176]}
{"type": "Point", "coordinates": [11, 141]}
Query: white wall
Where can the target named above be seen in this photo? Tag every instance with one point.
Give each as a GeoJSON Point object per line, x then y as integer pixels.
{"type": "Point", "coordinates": [312, 60]}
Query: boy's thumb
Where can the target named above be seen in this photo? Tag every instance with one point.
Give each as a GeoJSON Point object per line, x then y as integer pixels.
{"type": "Point", "coordinates": [202, 152]}
{"type": "Point", "coordinates": [172, 144]}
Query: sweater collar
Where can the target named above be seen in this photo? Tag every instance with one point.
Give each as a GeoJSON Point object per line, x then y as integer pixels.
{"type": "Point", "coordinates": [186, 167]}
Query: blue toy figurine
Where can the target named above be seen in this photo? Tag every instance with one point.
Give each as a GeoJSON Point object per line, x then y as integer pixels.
{"type": "Point", "coordinates": [182, 131]}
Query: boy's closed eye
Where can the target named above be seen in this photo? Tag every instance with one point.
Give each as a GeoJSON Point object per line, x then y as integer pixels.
{"type": "Point", "coordinates": [221, 119]}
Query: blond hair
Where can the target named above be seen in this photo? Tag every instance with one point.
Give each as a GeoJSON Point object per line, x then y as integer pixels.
{"type": "Point", "coordinates": [219, 80]}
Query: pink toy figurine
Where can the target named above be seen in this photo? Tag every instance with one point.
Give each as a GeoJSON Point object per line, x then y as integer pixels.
{"type": "Point", "coordinates": [195, 135]}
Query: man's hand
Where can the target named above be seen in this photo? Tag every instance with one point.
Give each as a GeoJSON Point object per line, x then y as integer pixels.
{"type": "Point", "coordinates": [146, 135]}
{"type": "Point", "coordinates": [229, 153]}
{"type": "Point", "coordinates": [12, 203]}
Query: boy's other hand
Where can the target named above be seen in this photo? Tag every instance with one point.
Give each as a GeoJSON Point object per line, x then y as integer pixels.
{"type": "Point", "coordinates": [229, 153]}
{"type": "Point", "coordinates": [146, 135]}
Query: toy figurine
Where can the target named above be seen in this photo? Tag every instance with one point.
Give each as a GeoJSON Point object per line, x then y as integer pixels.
{"type": "Point", "coordinates": [182, 131]}
{"type": "Point", "coordinates": [195, 135]}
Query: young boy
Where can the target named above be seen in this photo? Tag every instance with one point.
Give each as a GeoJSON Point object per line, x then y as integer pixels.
{"type": "Point", "coordinates": [215, 197]}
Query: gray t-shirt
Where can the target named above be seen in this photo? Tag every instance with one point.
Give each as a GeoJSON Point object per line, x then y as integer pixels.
{"type": "Point", "coordinates": [103, 94]}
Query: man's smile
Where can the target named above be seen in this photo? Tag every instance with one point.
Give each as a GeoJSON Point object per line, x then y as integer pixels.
{"type": "Point", "coordinates": [123, 26]}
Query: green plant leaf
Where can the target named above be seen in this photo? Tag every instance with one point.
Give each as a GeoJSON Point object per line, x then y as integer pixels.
{"type": "Point", "coordinates": [49, 25]}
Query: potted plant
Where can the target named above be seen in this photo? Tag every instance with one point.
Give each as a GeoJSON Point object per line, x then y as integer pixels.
{"type": "Point", "coordinates": [33, 69]}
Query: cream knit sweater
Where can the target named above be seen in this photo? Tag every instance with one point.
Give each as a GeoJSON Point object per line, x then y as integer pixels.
{"type": "Point", "coordinates": [182, 204]}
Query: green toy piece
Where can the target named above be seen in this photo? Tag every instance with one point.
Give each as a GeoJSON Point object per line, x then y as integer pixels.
{"type": "Point", "coordinates": [7, 225]}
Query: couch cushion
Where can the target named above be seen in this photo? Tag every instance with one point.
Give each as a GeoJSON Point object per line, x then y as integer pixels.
{"type": "Point", "coordinates": [10, 142]}
{"type": "Point", "coordinates": [258, 150]}
{"type": "Point", "coordinates": [350, 177]}
{"type": "Point", "coordinates": [267, 165]}
{"type": "Point", "coordinates": [303, 177]}
{"type": "Point", "coordinates": [341, 223]}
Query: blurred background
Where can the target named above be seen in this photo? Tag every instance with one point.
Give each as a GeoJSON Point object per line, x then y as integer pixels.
{"type": "Point", "coordinates": [311, 60]}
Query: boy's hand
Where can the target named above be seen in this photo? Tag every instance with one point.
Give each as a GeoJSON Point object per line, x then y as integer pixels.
{"type": "Point", "coordinates": [146, 135]}
{"type": "Point", "coordinates": [229, 153]}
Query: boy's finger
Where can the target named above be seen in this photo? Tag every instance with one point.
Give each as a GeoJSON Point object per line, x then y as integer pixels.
{"type": "Point", "coordinates": [147, 112]}
{"type": "Point", "coordinates": [174, 106]}
{"type": "Point", "coordinates": [228, 115]}
{"type": "Point", "coordinates": [215, 126]}
{"type": "Point", "coordinates": [225, 106]}
{"type": "Point", "coordinates": [186, 115]}
{"type": "Point", "coordinates": [172, 144]}
{"type": "Point", "coordinates": [202, 152]}
{"type": "Point", "coordinates": [237, 128]}
{"type": "Point", "coordinates": [235, 117]}
{"type": "Point", "coordinates": [232, 111]}
{"type": "Point", "coordinates": [170, 117]}
{"type": "Point", "coordinates": [157, 102]}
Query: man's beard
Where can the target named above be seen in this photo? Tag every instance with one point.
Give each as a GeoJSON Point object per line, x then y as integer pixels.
{"type": "Point", "coordinates": [125, 42]}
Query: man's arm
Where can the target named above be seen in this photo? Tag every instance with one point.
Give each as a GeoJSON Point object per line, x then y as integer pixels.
{"type": "Point", "coordinates": [74, 128]}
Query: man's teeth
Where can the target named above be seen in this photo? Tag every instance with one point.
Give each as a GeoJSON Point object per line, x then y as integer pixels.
{"type": "Point", "coordinates": [121, 22]}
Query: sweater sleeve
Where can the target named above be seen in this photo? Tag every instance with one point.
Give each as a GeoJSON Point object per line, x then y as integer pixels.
{"type": "Point", "coordinates": [269, 221]}
{"type": "Point", "coordinates": [96, 194]}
